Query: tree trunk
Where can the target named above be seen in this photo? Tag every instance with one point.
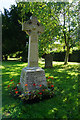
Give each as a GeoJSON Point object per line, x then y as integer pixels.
{"type": "Point", "coordinates": [66, 56]}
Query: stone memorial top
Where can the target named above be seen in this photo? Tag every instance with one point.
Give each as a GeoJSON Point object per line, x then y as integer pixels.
{"type": "Point", "coordinates": [32, 25]}
{"type": "Point", "coordinates": [33, 28]}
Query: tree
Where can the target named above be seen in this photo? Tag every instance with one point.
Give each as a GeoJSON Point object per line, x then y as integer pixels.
{"type": "Point", "coordinates": [69, 27]}
{"type": "Point", "coordinates": [14, 39]}
{"type": "Point", "coordinates": [47, 13]}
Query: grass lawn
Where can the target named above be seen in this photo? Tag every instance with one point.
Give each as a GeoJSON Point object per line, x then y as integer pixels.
{"type": "Point", "coordinates": [64, 104]}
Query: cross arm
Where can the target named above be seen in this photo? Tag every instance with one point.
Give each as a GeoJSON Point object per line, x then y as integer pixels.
{"type": "Point", "coordinates": [26, 26]}
{"type": "Point", "coordinates": [40, 29]}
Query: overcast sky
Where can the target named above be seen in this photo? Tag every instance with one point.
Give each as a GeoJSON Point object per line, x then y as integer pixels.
{"type": "Point", "coordinates": [6, 4]}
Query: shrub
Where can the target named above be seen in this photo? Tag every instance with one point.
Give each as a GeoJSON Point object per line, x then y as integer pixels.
{"type": "Point", "coordinates": [38, 94]}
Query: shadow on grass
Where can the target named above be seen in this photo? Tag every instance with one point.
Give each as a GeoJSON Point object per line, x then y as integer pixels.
{"type": "Point", "coordinates": [63, 105]}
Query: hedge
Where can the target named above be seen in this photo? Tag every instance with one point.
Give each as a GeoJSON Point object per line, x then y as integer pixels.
{"type": "Point", "coordinates": [75, 56]}
{"type": "Point", "coordinates": [60, 56]}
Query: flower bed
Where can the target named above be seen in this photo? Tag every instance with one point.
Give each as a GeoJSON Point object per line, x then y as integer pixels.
{"type": "Point", "coordinates": [34, 95]}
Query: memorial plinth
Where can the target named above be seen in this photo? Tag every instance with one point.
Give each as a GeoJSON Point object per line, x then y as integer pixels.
{"type": "Point", "coordinates": [32, 75]}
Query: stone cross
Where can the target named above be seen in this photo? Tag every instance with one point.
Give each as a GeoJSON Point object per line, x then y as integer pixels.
{"type": "Point", "coordinates": [33, 28]}
{"type": "Point", "coordinates": [32, 74]}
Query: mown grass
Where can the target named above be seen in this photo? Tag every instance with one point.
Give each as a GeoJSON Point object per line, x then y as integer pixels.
{"type": "Point", "coordinates": [64, 104]}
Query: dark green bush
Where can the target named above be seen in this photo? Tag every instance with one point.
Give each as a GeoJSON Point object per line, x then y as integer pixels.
{"type": "Point", "coordinates": [25, 55]}
{"type": "Point", "coordinates": [60, 56]}
{"type": "Point", "coordinates": [75, 56]}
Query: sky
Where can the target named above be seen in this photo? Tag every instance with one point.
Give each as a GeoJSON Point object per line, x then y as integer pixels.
{"type": "Point", "coordinates": [6, 4]}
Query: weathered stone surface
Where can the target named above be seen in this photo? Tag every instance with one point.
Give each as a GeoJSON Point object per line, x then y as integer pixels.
{"type": "Point", "coordinates": [31, 75]}
{"type": "Point", "coordinates": [33, 28]}
{"type": "Point", "coordinates": [48, 60]}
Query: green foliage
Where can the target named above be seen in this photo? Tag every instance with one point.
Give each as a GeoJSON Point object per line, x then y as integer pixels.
{"type": "Point", "coordinates": [14, 39]}
{"type": "Point", "coordinates": [60, 20]}
{"type": "Point", "coordinates": [59, 56]}
{"type": "Point", "coordinates": [51, 15]}
{"type": "Point", "coordinates": [39, 93]}
{"type": "Point", "coordinates": [47, 15]}
{"type": "Point", "coordinates": [25, 54]}
{"type": "Point", "coordinates": [73, 57]}
{"type": "Point", "coordinates": [69, 26]}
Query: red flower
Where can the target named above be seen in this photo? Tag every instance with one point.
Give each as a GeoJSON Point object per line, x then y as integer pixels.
{"type": "Point", "coordinates": [49, 77]}
{"type": "Point", "coordinates": [19, 83]}
{"type": "Point", "coordinates": [16, 92]}
{"type": "Point", "coordinates": [52, 78]}
{"type": "Point", "coordinates": [40, 85]}
{"type": "Point", "coordinates": [52, 85]}
{"type": "Point", "coordinates": [43, 90]}
{"type": "Point", "coordinates": [8, 86]}
{"type": "Point", "coordinates": [15, 88]}
{"type": "Point", "coordinates": [26, 84]}
{"type": "Point", "coordinates": [12, 79]}
{"type": "Point", "coordinates": [12, 83]}
{"type": "Point", "coordinates": [34, 84]}
{"type": "Point", "coordinates": [48, 82]}
{"type": "Point", "coordinates": [40, 93]}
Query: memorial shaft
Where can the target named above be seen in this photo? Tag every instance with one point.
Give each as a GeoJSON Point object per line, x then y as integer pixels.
{"type": "Point", "coordinates": [33, 28]}
{"type": "Point", "coordinates": [33, 50]}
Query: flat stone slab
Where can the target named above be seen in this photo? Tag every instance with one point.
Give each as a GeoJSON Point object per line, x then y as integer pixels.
{"type": "Point", "coordinates": [32, 77]}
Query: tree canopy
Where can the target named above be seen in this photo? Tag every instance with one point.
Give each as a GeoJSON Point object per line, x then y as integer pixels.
{"type": "Point", "coordinates": [60, 20]}
{"type": "Point", "coordinates": [14, 39]}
